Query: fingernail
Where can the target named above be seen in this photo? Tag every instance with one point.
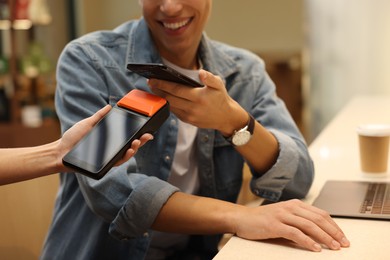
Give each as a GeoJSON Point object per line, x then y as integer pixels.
{"type": "Point", "coordinates": [335, 244]}
{"type": "Point", "coordinates": [317, 247]}
{"type": "Point", "coordinates": [345, 241]}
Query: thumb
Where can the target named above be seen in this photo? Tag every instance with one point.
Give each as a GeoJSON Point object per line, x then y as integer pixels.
{"type": "Point", "coordinates": [98, 115]}
{"type": "Point", "coordinates": [211, 80]}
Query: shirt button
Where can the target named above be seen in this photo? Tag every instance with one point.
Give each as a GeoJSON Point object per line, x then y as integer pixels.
{"type": "Point", "coordinates": [205, 138]}
{"type": "Point", "coordinates": [167, 158]}
{"type": "Point", "coordinates": [146, 234]}
{"type": "Point", "coordinates": [173, 122]}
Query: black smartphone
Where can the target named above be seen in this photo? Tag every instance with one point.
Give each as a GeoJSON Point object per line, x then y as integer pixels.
{"type": "Point", "coordinates": [110, 138]}
{"type": "Point", "coordinates": [163, 72]}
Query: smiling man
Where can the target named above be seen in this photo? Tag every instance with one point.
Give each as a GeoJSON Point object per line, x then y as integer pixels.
{"type": "Point", "coordinates": [176, 196]}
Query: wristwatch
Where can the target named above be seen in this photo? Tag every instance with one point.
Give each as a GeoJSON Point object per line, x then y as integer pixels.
{"type": "Point", "coordinates": [243, 135]}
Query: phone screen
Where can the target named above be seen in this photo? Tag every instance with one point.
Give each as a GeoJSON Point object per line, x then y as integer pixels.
{"type": "Point", "coordinates": [105, 140]}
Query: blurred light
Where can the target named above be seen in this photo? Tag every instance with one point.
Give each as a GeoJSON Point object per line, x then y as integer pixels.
{"type": "Point", "coordinates": [324, 152]}
{"type": "Point", "coordinates": [5, 24]}
{"type": "Point", "coordinates": [22, 24]}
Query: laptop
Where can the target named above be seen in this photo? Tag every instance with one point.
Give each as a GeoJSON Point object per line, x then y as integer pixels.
{"type": "Point", "coordinates": [355, 199]}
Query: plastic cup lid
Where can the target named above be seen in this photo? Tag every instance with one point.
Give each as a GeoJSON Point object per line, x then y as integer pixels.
{"type": "Point", "coordinates": [374, 130]}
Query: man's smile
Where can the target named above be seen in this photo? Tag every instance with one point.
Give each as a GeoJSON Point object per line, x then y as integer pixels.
{"type": "Point", "coordinates": [176, 25]}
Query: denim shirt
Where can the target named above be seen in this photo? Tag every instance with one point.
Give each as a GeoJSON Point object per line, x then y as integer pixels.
{"type": "Point", "coordinates": [111, 218]}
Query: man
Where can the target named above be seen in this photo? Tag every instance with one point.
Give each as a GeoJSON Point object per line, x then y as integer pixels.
{"type": "Point", "coordinates": [187, 180]}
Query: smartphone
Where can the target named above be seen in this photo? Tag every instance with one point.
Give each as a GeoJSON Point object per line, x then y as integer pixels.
{"type": "Point", "coordinates": [110, 138]}
{"type": "Point", "coordinates": [163, 72]}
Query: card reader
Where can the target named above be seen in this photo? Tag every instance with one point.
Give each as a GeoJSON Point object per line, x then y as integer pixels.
{"type": "Point", "coordinates": [137, 113]}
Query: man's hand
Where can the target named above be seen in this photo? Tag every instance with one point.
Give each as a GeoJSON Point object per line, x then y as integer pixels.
{"type": "Point", "coordinates": [306, 225]}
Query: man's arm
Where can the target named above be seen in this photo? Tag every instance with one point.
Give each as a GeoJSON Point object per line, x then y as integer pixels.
{"type": "Point", "coordinates": [302, 223]}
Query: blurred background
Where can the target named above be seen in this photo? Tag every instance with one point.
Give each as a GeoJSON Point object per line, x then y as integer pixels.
{"type": "Point", "coordinates": [320, 53]}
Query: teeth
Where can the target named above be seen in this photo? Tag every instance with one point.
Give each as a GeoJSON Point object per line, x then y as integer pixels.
{"type": "Point", "coordinates": [175, 26]}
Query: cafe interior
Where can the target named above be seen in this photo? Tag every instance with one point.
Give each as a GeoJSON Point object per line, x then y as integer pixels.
{"type": "Point", "coordinates": [322, 55]}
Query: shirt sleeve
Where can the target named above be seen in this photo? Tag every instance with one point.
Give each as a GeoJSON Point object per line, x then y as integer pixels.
{"type": "Point", "coordinates": [292, 174]}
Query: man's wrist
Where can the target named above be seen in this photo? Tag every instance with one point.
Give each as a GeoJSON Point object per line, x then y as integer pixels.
{"type": "Point", "coordinates": [243, 135]}
{"type": "Point", "coordinates": [234, 123]}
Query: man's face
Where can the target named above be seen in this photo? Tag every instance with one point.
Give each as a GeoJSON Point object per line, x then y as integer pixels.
{"type": "Point", "coordinates": [176, 25]}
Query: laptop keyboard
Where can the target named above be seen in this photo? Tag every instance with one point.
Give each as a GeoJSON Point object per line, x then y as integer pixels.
{"type": "Point", "coordinates": [377, 200]}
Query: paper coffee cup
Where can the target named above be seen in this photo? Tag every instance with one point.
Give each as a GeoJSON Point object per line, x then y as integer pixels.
{"type": "Point", "coordinates": [374, 147]}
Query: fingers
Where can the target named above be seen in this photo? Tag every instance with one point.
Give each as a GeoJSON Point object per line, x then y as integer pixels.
{"type": "Point", "coordinates": [135, 145]}
{"type": "Point", "coordinates": [295, 234]}
{"type": "Point", "coordinates": [210, 80]}
{"type": "Point", "coordinates": [99, 114]}
{"type": "Point", "coordinates": [170, 90]}
{"type": "Point", "coordinates": [162, 88]}
{"type": "Point", "coordinates": [294, 220]}
{"type": "Point", "coordinates": [307, 234]}
{"type": "Point", "coordinates": [87, 123]}
{"type": "Point", "coordinates": [313, 227]}
{"type": "Point", "coordinates": [333, 236]}
{"type": "Point", "coordinates": [145, 138]}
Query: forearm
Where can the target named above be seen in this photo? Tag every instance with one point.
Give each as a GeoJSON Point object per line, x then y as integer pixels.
{"type": "Point", "coordinates": [262, 141]}
{"type": "Point", "coordinates": [19, 164]}
{"type": "Point", "coordinates": [189, 214]}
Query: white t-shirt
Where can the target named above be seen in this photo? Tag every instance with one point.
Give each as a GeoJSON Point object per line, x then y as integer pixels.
{"type": "Point", "coordinates": [184, 171]}
{"type": "Point", "coordinates": [184, 175]}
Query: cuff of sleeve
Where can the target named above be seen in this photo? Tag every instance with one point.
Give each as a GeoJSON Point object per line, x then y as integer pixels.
{"type": "Point", "coordinates": [141, 208]}
{"type": "Point", "coordinates": [270, 185]}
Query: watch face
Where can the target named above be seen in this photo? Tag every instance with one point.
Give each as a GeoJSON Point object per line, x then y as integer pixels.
{"type": "Point", "coordinates": [241, 138]}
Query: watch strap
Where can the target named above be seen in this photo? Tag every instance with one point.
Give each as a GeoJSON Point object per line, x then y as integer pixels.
{"type": "Point", "coordinates": [251, 124]}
